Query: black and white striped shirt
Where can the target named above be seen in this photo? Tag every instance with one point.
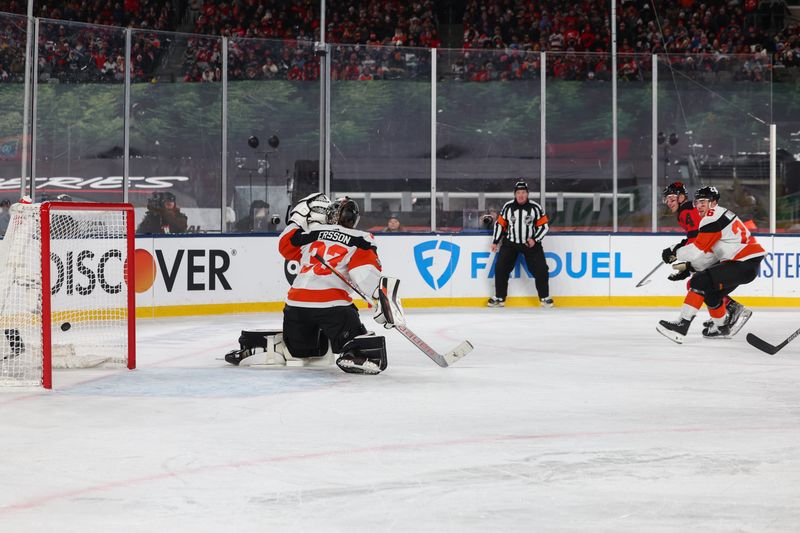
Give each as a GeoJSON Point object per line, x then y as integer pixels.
{"type": "Point", "coordinates": [518, 223]}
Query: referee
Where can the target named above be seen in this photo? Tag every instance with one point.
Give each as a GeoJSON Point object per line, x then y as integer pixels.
{"type": "Point", "coordinates": [521, 226]}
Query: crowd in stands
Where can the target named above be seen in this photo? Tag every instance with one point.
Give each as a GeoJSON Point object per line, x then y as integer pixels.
{"type": "Point", "coordinates": [503, 38]}
{"type": "Point", "coordinates": [12, 48]}
{"type": "Point", "coordinates": [91, 52]}
{"type": "Point", "coordinates": [375, 25]}
{"type": "Point", "coordinates": [386, 39]}
{"type": "Point", "coordinates": [693, 36]}
{"type": "Point", "coordinates": [152, 14]}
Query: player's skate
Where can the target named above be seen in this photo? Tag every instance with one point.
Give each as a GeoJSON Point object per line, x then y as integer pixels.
{"type": "Point", "coordinates": [546, 302]}
{"type": "Point", "coordinates": [738, 315]}
{"type": "Point", "coordinates": [496, 302]}
{"type": "Point", "coordinates": [674, 330]}
{"type": "Point", "coordinates": [733, 311]}
{"type": "Point", "coordinates": [717, 332]}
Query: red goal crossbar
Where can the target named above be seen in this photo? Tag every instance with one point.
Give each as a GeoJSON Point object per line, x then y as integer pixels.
{"type": "Point", "coordinates": [130, 277]}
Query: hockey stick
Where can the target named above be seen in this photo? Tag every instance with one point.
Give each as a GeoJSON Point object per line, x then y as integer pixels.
{"type": "Point", "coordinates": [443, 360]}
{"type": "Point", "coordinates": [645, 280]}
{"type": "Point", "coordinates": [766, 347]}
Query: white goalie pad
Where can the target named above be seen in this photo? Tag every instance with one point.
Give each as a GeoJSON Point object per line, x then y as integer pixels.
{"type": "Point", "coordinates": [276, 354]}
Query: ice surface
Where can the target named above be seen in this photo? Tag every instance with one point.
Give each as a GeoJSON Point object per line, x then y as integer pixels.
{"type": "Point", "coordinates": [560, 420]}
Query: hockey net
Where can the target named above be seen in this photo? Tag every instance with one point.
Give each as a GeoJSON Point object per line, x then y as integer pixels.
{"type": "Point", "coordinates": [66, 295]}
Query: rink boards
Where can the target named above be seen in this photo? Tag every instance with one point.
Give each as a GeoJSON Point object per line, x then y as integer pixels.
{"type": "Point", "coordinates": [233, 274]}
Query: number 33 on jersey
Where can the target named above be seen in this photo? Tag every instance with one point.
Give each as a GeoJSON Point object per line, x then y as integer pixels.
{"type": "Point", "coordinates": [350, 251]}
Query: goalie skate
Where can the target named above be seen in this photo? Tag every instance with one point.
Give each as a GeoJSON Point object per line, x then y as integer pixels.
{"type": "Point", "coordinates": [357, 365]}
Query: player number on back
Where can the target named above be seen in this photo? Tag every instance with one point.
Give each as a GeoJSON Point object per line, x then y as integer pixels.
{"type": "Point", "coordinates": [741, 230]}
{"type": "Point", "coordinates": [333, 254]}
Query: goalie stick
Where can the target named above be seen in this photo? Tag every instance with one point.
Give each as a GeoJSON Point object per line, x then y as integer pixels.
{"type": "Point", "coordinates": [443, 360]}
{"type": "Point", "coordinates": [645, 280]}
{"type": "Point", "coordinates": [766, 347]}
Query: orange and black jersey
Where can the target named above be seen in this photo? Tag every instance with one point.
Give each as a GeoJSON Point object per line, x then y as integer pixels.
{"type": "Point", "coordinates": [520, 222]}
{"type": "Point", "coordinates": [722, 236]}
{"type": "Point", "coordinates": [350, 251]}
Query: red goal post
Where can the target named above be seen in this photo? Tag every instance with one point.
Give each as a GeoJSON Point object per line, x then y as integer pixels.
{"type": "Point", "coordinates": [74, 304]}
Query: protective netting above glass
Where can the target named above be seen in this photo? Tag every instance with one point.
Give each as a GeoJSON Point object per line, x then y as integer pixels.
{"type": "Point", "coordinates": [579, 141]}
{"type": "Point", "coordinates": [80, 112]}
{"type": "Point", "coordinates": [273, 130]}
{"type": "Point", "coordinates": [176, 132]}
{"type": "Point", "coordinates": [714, 112]}
{"type": "Point", "coordinates": [13, 36]}
{"type": "Point", "coordinates": [634, 152]}
{"type": "Point", "coordinates": [380, 133]}
{"type": "Point", "coordinates": [488, 132]}
{"type": "Point", "coordinates": [713, 127]}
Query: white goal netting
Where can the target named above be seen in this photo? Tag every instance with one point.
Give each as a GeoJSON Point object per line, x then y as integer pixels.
{"type": "Point", "coordinates": [89, 307]}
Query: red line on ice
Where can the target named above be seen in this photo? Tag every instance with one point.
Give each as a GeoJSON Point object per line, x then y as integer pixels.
{"type": "Point", "coordinates": [101, 487]}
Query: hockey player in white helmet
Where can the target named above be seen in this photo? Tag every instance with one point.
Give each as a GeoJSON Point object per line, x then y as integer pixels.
{"type": "Point", "coordinates": [319, 315]}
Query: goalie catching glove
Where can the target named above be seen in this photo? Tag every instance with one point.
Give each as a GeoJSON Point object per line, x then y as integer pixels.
{"type": "Point", "coordinates": [388, 309]}
{"type": "Point", "coordinates": [310, 210]}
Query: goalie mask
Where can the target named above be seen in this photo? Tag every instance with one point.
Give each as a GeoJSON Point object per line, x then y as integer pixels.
{"type": "Point", "coordinates": [344, 212]}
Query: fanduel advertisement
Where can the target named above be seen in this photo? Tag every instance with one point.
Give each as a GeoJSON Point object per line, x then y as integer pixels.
{"type": "Point", "coordinates": [248, 269]}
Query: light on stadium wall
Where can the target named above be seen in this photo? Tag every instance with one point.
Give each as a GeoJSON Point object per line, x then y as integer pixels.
{"type": "Point", "coordinates": [262, 163]}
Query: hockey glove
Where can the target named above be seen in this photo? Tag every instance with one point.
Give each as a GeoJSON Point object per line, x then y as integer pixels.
{"type": "Point", "coordinates": [682, 271]}
{"type": "Point", "coordinates": [668, 255]}
{"type": "Point", "coordinates": [678, 276]}
{"type": "Point", "coordinates": [310, 210]}
{"type": "Point", "coordinates": [388, 309]}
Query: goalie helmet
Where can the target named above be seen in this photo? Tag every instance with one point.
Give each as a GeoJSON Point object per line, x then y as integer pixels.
{"type": "Point", "coordinates": [344, 212]}
{"type": "Point", "coordinates": [707, 193]}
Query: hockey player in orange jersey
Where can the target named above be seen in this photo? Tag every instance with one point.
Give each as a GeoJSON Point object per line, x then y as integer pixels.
{"type": "Point", "coordinates": [723, 256]}
{"type": "Point", "coordinates": [677, 200]}
{"type": "Point", "coordinates": [319, 318]}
